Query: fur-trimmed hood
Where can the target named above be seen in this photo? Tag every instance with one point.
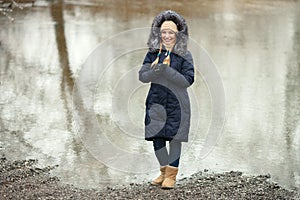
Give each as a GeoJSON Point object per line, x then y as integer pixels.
{"type": "Point", "coordinates": [180, 47]}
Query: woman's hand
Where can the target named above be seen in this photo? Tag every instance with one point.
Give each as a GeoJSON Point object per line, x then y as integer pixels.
{"type": "Point", "coordinates": [159, 68]}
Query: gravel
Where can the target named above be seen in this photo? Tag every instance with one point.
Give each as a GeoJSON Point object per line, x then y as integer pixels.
{"type": "Point", "coordinates": [23, 180]}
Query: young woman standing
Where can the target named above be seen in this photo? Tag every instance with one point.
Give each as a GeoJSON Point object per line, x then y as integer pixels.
{"type": "Point", "coordinates": [168, 66]}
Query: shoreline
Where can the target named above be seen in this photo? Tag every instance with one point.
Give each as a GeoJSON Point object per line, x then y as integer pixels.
{"type": "Point", "coordinates": [21, 179]}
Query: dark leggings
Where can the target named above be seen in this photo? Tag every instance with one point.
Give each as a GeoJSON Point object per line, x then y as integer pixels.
{"type": "Point", "coordinates": [162, 155]}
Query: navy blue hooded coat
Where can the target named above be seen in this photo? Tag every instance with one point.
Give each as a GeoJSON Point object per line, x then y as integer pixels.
{"type": "Point", "coordinates": [167, 104]}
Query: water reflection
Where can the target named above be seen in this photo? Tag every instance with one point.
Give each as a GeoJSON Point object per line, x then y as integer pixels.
{"type": "Point", "coordinates": [292, 99]}
{"type": "Point", "coordinates": [254, 43]}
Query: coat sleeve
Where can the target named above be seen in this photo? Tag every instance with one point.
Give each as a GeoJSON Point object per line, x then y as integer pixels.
{"type": "Point", "coordinates": [146, 74]}
{"type": "Point", "coordinates": [185, 78]}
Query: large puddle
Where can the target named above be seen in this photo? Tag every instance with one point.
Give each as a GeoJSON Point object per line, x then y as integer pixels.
{"type": "Point", "coordinates": [254, 44]}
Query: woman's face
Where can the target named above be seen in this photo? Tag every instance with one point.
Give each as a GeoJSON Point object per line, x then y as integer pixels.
{"type": "Point", "coordinates": [168, 37]}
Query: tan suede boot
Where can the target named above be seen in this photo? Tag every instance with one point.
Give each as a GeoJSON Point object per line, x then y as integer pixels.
{"type": "Point", "coordinates": [161, 178]}
{"type": "Point", "coordinates": [170, 177]}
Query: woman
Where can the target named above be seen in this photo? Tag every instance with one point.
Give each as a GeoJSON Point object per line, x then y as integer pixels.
{"type": "Point", "coordinates": [168, 65]}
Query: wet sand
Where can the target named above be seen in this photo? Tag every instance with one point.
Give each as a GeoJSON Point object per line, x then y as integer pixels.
{"type": "Point", "coordinates": [23, 180]}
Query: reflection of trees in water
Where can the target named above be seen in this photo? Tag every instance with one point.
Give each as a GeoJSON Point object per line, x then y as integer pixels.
{"type": "Point", "coordinates": [67, 82]}
{"type": "Point", "coordinates": [7, 6]}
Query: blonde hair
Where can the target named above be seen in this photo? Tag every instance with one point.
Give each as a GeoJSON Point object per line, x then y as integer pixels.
{"type": "Point", "coordinates": [167, 59]}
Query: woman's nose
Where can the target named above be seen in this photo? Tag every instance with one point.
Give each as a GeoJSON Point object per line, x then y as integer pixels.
{"type": "Point", "coordinates": [167, 35]}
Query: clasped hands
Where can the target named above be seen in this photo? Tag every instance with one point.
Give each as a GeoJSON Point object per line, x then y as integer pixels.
{"type": "Point", "coordinates": [159, 68]}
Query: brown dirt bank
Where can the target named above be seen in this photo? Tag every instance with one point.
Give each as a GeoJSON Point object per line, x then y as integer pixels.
{"type": "Point", "coordinates": [22, 180]}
